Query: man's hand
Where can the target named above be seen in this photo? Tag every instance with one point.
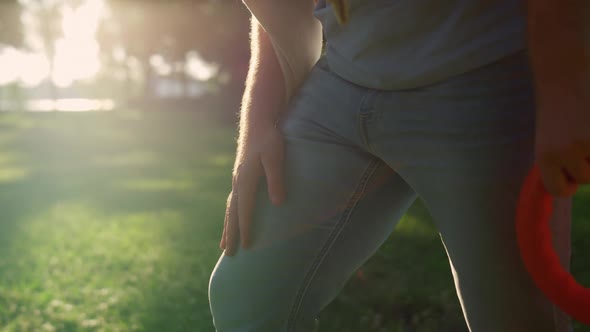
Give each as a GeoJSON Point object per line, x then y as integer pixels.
{"type": "Point", "coordinates": [260, 145]}
{"type": "Point", "coordinates": [563, 144]}
{"type": "Point", "coordinates": [560, 60]}
{"type": "Point", "coordinates": [261, 154]}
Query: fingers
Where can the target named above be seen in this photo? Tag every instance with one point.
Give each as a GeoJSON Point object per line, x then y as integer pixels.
{"type": "Point", "coordinates": [223, 235]}
{"type": "Point", "coordinates": [247, 183]}
{"type": "Point", "coordinates": [564, 171]}
{"type": "Point", "coordinates": [556, 180]}
{"type": "Point", "coordinates": [232, 230]}
{"type": "Point", "coordinates": [268, 162]}
{"type": "Point", "coordinates": [273, 169]}
{"type": "Point", "coordinates": [567, 185]}
{"type": "Point", "coordinates": [223, 241]}
{"type": "Point", "coordinates": [577, 166]}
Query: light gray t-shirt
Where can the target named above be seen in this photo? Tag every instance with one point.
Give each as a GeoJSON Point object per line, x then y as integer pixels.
{"type": "Point", "coordinates": [403, 44]}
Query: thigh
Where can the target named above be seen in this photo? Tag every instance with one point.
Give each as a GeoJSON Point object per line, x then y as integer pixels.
{"type": "Point", "coordinates": [476, 224]}
{"type": "Point", "coordinates": [477, 228]}
{"type": "Point", "coordinates": [466, 146]}
{"type": "Point", "coordinates": [341, 205]}
{"type": "Point", "coordinates": [305, 252]}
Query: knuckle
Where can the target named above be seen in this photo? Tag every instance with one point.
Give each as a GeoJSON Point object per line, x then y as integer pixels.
{"type": "Point", "coordinates": [243, 171]}
{"type": "Point", "coordinates": [231, 198]}
{"type": "Point", "coordinates": [238, 180]}
{"type": "Point", "coordinates": [239, 170]}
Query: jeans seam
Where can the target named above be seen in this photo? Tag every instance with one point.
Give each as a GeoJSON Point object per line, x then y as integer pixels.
{"type": "Point", "coordinates": [365, 114]}
{"type": "Point", "coordinates": [345, 217]}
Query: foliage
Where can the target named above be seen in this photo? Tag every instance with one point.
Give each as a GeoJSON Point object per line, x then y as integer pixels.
{"type": "Point", "coordinates": [11, 32]}
{"type": "Point", "coordinates": [218, 31]}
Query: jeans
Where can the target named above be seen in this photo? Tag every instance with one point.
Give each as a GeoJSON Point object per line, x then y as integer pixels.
{"type": "Point", "coordinates": [356, 159]}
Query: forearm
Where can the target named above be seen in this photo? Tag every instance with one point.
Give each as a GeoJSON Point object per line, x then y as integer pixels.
{"type": "Point", "coordinates": [558, 51]}
{"type": "Point", "coordinates": [264, 95]}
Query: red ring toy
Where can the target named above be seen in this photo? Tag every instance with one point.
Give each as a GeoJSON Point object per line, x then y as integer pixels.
{"type": "Point", "coordinates": [534, 239]}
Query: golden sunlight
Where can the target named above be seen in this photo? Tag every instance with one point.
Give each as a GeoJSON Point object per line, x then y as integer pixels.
{"type": "Point", "coordinates": [77, 53]}
{"type": "Point", "coordinates": [29, 68]}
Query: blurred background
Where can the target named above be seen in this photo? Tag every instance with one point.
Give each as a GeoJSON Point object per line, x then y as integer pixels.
{"type": "Point", "coordinates": [117, 139]}
{"type": "Point", "coordinates": [107, 54]}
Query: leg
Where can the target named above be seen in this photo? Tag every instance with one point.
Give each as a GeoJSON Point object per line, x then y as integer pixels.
{"type": "Point", "coordinates": [477, 227]}
{"type": "Point", "coordinates": [342, 203]}
{"type": "Point", "coordinates": [465, 146]}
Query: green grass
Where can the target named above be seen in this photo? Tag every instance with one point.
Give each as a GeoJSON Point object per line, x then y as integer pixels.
{"type": "Point", "coordinates": [111, 221]}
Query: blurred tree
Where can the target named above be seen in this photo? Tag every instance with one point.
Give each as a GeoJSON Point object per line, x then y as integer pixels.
{"type": "Point", "coordinates": [47, 17]}
{"type": "Point", "coordinates": [11, 34]}
{"type": "Point", "coordinates": [133, 27]}
{"type": "Point", "coordinates": [216, 30]}
{"type": "Point", "coordinates": [50, 19]}
{"type": "Point", "coordinates": [11, 28]}
{"type": "Point", "coordinates": [222, 37]}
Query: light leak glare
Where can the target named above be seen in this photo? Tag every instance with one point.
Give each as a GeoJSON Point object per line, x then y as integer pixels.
{"type": "Point", "coordinates": [198, 68]}
{"type": "Point", "coordinates": [76, 54]}
{"type": "Point", "coordinates": [9, 60]}
{"type": "Point", "coordinates": [28, 68]}
{"type": "Point", "coordinates": [70, 105]}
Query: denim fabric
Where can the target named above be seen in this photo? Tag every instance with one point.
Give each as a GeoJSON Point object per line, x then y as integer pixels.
{"type": "Point", "coordinates": [356, 159]}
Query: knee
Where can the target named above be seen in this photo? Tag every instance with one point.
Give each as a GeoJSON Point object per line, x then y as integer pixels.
{"type": "Point", "coordinates": [222, 289]}
{"type": "Point", "coordinates": [239, 302]}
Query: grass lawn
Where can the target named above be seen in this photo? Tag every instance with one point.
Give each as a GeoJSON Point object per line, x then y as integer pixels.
{"type": "Point", "coordinates": [111, 221]}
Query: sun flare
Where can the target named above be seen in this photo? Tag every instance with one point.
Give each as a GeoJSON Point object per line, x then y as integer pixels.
{"type": "Point", "coordinates": [76, 52]}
